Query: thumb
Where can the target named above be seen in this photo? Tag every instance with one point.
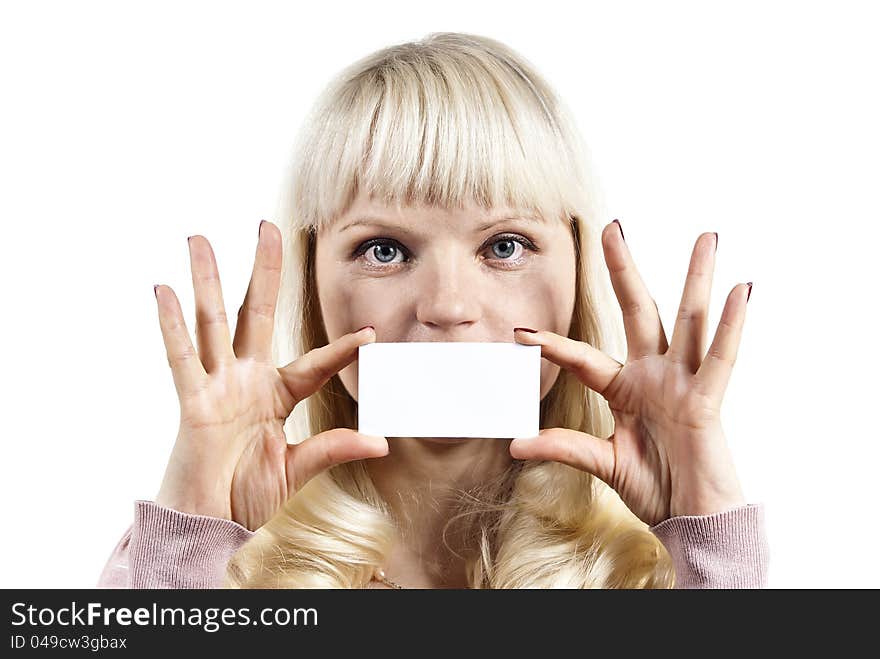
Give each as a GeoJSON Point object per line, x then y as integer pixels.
{"type": "Point", "coordinates": [327, 449]}
{"type": "Point", "coordinates": [571, 447]}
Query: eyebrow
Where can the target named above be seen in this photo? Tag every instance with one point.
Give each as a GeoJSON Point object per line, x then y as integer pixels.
{"type": "Point", "coordinates": [379, 222]}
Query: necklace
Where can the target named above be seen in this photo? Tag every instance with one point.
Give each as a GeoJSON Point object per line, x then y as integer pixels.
{"type": "Point", "coordinates": [380, 576]}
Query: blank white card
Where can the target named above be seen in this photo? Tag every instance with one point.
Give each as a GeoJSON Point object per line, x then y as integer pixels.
{"type": "Point", "coordinates": [457, 389]}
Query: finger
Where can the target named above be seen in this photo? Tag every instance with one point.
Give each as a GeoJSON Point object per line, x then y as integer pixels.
{"type": "Point", "coordinates": [324, 450]}
{"type": "Point", "coordinates": [591, 366]}
{"type": "Point", "coordinates": [186, 368]}
{"type": "Point", "coordinates": [307, 374]}
{"type": "Point", "coordinates": [689, 334]}
{"type": "Point", "coordinates": [714, 373]}
{"type": "Point", "coordinates": [256, 319]}
{"type": "Point", "coordinates": [571, 447]}
{"type": "Point", "coordinates": [644, 332]}
{"type": "Point", "coordinates": [212, 328]}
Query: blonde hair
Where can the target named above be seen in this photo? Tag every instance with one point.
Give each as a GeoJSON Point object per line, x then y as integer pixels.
{"type": "Point", "coordinates": [448, 120]}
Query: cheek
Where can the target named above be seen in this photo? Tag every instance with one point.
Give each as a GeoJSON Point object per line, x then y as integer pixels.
{"type": "Point", "coordinates": [347, 304]}
{"type": "Point", "coordinates": [552, 302]}
{"type": "Point", "coordinates": [544, 302]}
{"type": "Point", "coordinates": [557, 304]}
{"type": "Point", "coordinates": [554, 305]}
{"type": "Point", "coordinates": [538, 302]}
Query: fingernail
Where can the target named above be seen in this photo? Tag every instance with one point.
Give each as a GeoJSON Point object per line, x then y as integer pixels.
{"type": "Point", "coordinates": [750, 291]}
{"type": "Point", "coordinates": [260, 229]}
{"type": "Point", "coordinates": [156, 290]}
{"type": "Point", "coordinates": [621, 229]}
{"type": "Point", "coordinates": [524, 329]}
{"type": "Point", "coordinates": [716, 240]}
{"type": "Point", "coordinates": [365, 327]}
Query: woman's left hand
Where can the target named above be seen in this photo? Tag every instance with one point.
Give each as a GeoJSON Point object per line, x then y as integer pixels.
{"type": "Point", "coordinates": [668, 455]}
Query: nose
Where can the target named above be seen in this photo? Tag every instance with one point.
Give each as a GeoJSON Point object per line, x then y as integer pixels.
{"type": "Point", "coordinates": [448, 293]}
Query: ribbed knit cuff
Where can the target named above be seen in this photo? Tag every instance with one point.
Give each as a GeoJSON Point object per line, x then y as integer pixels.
{"type": "Point", "coordinates": [728, 549]}
{"type": "Point", "coordinates": [172, 549]}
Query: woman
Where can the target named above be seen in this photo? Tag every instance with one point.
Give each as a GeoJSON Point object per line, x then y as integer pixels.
{"type": "Point", "coordinates": [440, 193]}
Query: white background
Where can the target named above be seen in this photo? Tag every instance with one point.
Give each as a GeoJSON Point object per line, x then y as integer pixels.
{"type": "Point", "coordinates": [126, 127]}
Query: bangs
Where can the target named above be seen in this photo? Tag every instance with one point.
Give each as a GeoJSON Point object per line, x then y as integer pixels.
{"type": "Point", "coordinates": [450, 121]}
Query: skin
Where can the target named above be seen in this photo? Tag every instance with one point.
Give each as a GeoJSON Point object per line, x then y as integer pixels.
{"type": "Point", "coordinates": [231, 459]}
{"type": "Point", "coordinates": [449, 281]}
{"type": "Point", "coordinates": [668, 455]}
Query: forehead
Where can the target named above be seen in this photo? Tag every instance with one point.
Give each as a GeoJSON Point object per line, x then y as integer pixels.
{"type": "Point", "coordinates": [371, 212]}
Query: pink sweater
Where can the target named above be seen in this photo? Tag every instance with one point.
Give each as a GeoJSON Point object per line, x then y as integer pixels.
{"type": "Point", "coordinates": [165, 548]}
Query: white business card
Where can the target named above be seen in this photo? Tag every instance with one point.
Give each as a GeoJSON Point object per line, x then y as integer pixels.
{"type": "Point", "coordinates": [455, 389]}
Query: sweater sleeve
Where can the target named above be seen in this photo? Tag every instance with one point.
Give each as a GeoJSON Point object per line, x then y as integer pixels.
{"type": "Point", "coordinates": [728, 549]}
{"type": "Point", "coordinates": [166, 548]}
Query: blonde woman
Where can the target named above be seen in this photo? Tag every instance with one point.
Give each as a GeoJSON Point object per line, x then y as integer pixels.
{"type": "Point", "coordinates": [441, 192]}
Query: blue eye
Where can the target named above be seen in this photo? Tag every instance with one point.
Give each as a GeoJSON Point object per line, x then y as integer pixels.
{"type": "Point", "coordinates": [509, 248]}
{"type": "Point", "coordinates": [381, 249]}
{"type": "Point", "coordinates": [379, 252]}
{"type": "Point", "coordinates": [384, 252]}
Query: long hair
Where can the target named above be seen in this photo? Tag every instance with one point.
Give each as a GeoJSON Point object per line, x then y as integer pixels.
{"type": "Point", "coordinates": [448, 120]}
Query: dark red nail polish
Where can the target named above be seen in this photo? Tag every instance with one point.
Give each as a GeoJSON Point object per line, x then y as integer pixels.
{"type": "Point", "coordinates": [750, 291]}
{"type": "Point", "coordinates": [525, 329]}
{"type": "Point", "coordinates": [621, 229]}
{"type": "Point", "coordinates": [716, 240]}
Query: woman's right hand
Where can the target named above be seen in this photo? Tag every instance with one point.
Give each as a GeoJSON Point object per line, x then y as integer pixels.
{"type": "Point", "coordinates": [231, 458]}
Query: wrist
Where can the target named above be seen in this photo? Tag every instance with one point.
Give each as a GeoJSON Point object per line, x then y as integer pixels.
{"type": "Point", "coordinates": [192, 505]}
{"type": "Point", "coordinates": [707, 503]}
{"type": "Point", "coordinates": [708, 482]}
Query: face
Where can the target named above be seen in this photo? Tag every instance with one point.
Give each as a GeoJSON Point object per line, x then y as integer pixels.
{"type": "Point", "coordinates": [426, 274]}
